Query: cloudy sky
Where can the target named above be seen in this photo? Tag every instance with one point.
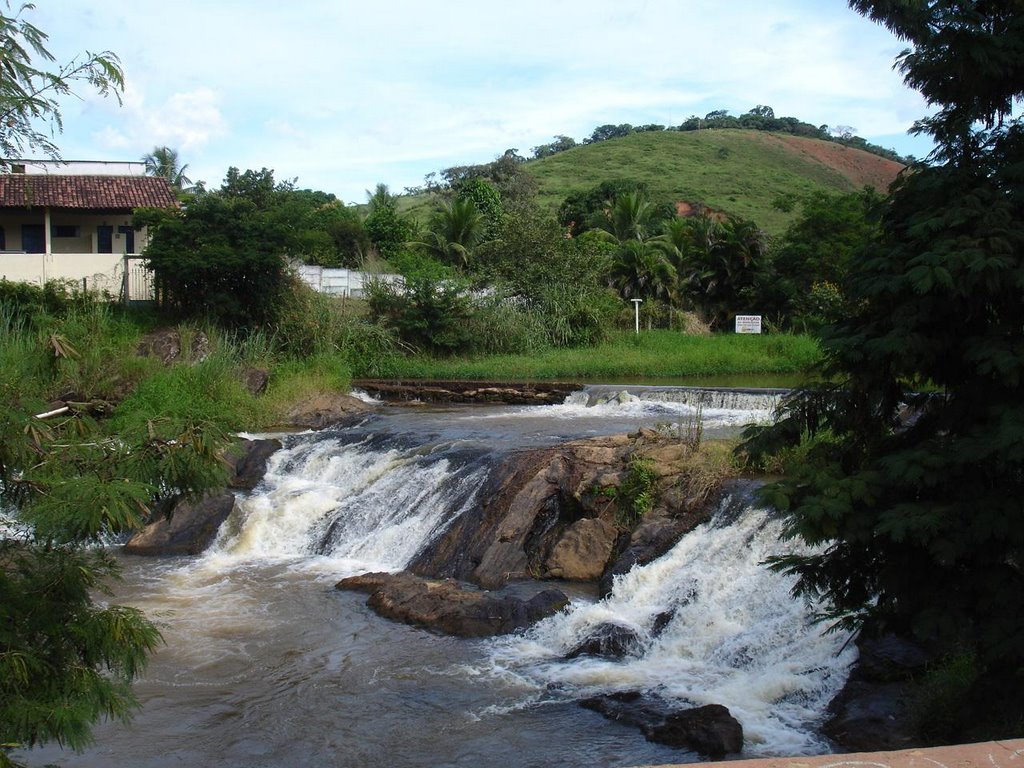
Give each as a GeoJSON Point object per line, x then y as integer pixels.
{"type": "Point", "coordinates": [342, 94]}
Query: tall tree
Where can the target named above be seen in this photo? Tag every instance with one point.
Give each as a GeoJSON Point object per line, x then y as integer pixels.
{"type": "Point", "coordinates": [639, 270]}
{"type": "Point", "coordinates": [628, 216]}
{"type": "Point", "coordinates": [164, 161]}
{"type": "Point", "coordinates": [919, 515]}
{"type": "Point", "coordinates": [388, 230]}
{"type": "Point", "coordinates": [717, 262]}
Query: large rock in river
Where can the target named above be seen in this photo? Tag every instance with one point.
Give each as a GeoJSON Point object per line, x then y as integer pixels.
{"type": "Point", "coordinates": [450, 608]}
{"type": "Point", "coordinates": [554, 513]}
{"type": "Point", "coordinates": [710, 730]}
{"type": "Point", "coordinates": [324, 410]}
{"type": "Point", "coordinates": [189, 530]}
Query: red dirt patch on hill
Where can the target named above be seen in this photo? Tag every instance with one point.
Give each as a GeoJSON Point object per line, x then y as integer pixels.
{"type": "Point", "coordinates": [860, 167]}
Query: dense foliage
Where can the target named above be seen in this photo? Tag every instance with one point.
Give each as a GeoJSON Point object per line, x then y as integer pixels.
{"type": "Point", "coordinates": [221, 258]}
{"type": "Point", "coordinates": [810, 263]}
{"type": "Point", "coordinates": [915, 500]}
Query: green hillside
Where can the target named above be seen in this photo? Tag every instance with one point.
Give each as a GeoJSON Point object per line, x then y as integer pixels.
{"type": "Point", "coordinates": [738, 171]}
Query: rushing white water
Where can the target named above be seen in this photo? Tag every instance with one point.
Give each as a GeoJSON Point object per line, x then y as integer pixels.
{"type": "Point", "coordinates": [665, 406]}
{"type": "Point", "coordinates": [736, 637]}
{"type": "Point", "coordinates": [345, 507]}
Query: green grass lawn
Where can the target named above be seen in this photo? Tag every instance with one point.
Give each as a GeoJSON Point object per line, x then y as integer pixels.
{"type": "Point", "coordinates": [655, 356]}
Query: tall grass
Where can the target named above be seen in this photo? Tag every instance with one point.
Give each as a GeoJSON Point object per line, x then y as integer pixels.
{"type": "Point", "coordinates": [649, 355]}
{"type": "Point", "coordinates": [24, 368]}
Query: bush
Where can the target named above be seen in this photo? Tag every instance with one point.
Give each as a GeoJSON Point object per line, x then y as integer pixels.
{"type": "Point", "coordinates": [425, 313]}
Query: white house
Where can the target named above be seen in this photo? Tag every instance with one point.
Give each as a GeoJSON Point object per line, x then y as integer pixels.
{"type": "Point", "coordinates": [72, 221]}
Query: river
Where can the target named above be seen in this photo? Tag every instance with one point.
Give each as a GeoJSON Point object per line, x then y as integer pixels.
{"type": "Point", "coordinates": [266, 664]}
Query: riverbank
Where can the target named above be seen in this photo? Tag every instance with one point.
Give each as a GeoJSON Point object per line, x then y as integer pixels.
{"type": "Point", "coordinates": [664, 356]}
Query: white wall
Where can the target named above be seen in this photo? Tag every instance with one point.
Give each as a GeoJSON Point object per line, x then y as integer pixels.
{"type": "Point", "coordinates": [83, 167]}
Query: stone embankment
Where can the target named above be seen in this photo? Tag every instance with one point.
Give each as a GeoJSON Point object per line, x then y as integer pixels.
{"type": "Point", "coordinates": [509, 393]}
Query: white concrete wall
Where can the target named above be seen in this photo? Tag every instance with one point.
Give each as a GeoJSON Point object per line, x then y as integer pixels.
{"type": "Point", "coordinates": [102, 271]}
{"type": "Point", "coordinates": [340, 282]}
{"type": "Point", "coordinates": [84, 167]}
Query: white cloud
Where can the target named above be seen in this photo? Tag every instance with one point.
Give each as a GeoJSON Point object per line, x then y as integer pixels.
{"type": "Point", "coordinates": [186, 120]}
{"type": "Point", "coordinates": [334, 92]}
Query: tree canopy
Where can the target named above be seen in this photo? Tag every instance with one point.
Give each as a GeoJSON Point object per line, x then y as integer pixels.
{"type": "Point", "coordinates": [914, 484]}
{"type": "Point", "coordinates": [66, 658]}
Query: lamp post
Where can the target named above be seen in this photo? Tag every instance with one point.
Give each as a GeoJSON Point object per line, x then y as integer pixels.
{"type": "Point", "coordinates": [636, 312]}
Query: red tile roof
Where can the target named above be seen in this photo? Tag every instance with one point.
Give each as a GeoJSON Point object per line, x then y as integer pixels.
{"type": "Point", "coordinates": [85, 192]}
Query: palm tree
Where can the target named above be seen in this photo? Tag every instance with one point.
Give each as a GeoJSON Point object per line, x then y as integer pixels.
{"type": "Point", "coordinates": [640, 270]}
{"type": "Point", "coordinates": [628, 216]}
{"type": "Point", "coordinates": [381, 198]}
{"type": "Point", "coordinates": [163, 161]}
{"type": "Point", "coordinates": [718, 262]}
{"type": "Point", "coordinates": [454, 229]}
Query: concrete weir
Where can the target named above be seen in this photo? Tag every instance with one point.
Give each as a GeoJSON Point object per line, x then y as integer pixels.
{"type": "Point", "coordinates": [987, 754]}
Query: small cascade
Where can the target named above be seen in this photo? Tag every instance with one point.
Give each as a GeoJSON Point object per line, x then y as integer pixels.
{"type": "Point", "coordinates": [714, 626]}
{"type": "Point", "coordinates": [368, 503]}
{"type": "Point", "coordinates": [709, 399]}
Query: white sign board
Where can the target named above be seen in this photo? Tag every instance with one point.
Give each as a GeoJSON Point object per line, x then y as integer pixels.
{"type": "Point", "coordinates": [748, 323]}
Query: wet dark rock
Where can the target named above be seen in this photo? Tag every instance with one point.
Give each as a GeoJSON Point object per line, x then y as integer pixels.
{"type": "Point", "coordinates": [710, 730]}
{"type": "Point", "coordinates": [325, 410]}
{"type": "Point", "coordinates": [871, 717]}
{"type": "Point", "coordinates": [248, 462]}
{"type": "Point", "coordinates": [661, 621]}
{"type": "Point", "coordinates": [191, 528]}
{"type": "Point", "coordinates": [608, 641]}
{"type": "Point", "coordinates": [871, 712]}
{"type": "Point", "coordinates": [890, 658]}
{"type": "Point", "coordinates": [451, 608]}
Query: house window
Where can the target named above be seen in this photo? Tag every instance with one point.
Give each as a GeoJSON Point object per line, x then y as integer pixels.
{"type": "Point", "coordinates": [17, 167]}
{"type": "Point", "coordinates": [66, 230]}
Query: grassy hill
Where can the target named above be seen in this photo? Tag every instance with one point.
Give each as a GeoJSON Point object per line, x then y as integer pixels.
{"type": "Point", "coordinates": [737, 171]}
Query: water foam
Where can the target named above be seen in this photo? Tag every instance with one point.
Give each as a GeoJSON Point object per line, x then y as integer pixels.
{"type": "Point", "coordinates": [736, 637]}
{"type": "Point", "coordinates": [334, 506]}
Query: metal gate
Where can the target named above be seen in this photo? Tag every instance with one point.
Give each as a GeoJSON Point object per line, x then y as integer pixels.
{"type": "Point", "coordinates": [138, 281]}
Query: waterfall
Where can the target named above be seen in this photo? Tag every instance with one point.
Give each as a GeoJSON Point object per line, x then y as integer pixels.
{"type": "Point", "coordinates": [714, 625]}
{"type": "Point", "coordinates": [352, 505]}
{"type": "Point", "coordinates": [735, 636]}
{"type": "Point", "coordinates": [715, 407]}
